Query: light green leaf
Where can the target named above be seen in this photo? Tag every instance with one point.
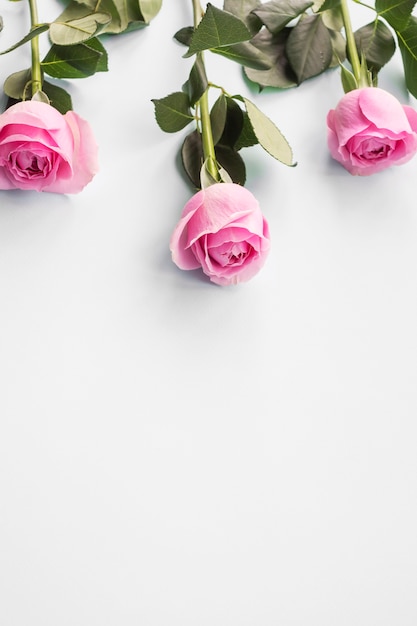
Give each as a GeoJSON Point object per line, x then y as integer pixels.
{"type": "Point", "coordinates": [396, 12]}
{"type": "Point", "coordinates": [68, 30]}
{"type": "Point", "coordinates": [17, 85]}
{"type": "Point", "coordinates": [41, 28]}
{"type": "Point", "coordinates": [327, 5]}
{"type": "Point", "coordinates": [217, 28]}
{"type": "Point", "coordinates": [349, 82]}
{"type": "Point", "coordinates": [309, 47]}
{"type": "Point", "coordinates": [278, 13]}
{"type": "Point", "coordinates": [149, 9]}
{"type": "Point", "coordinates": [173, 112]}
{"type": "Point", "coordinates": [269, 136]}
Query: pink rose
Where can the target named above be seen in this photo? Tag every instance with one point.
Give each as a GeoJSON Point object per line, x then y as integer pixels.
{"type": "Point", "coordinates": [223, 231]}
{"type": "Point", "coordinates": [369, 130]}
{"type": "Point", "coordinates": [42, 149]}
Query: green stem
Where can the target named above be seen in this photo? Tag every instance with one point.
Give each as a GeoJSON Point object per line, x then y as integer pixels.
{"type": "Point", "coordinates": [350, 39]}
{"type": "Point", "coordinates": [209, 152]}
{"type": "Point", "coordinates": [36, 64]}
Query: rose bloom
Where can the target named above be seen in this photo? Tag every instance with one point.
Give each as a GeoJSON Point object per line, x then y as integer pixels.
{"type": "Point", "coordinates": [223, 231]}
{"type": "Point", "coordinates": [43, 150]}
{"type": "Point", "coordinates": [369, 130]}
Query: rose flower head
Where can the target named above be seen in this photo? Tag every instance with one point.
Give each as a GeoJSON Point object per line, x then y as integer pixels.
{"type": "Point", "coordinates": [369, 130]}
{"type": "Point", "coordinates": [223, 231]}
{"type": "Point", "coordinates": [43, 150]}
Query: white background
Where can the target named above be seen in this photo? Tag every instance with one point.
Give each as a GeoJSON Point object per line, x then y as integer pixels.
{"type": "Point", "coordinates": [173, 453]}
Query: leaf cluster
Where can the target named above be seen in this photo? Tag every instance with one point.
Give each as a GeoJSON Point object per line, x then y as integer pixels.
{"type": "Point", "coordinates": [76, 49]}
{"type": "Point", "coordinates": [235, 121]}
{"type": "Point", "coordinates": [304, 38]}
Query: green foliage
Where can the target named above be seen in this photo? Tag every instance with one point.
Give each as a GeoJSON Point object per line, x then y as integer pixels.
{"type": "Point", "coordinates": [376, 42]}
{"type": "Point", "coordinates": [173, 112]}
{"type": "Point", "coordinates": [78, 61]}
{"type": "Point", "coordinates": [309, 47]}
{"type": "Point", "coordinates": [407, 41]}
{"type": "Point", "coordinates": [275, 15]}
{"type": "Point", "coordinates": [397, 13]}
{"type": "Point", "coordinates": [216, 29]}
{"type": "Point", "coordinates": [76, 50]}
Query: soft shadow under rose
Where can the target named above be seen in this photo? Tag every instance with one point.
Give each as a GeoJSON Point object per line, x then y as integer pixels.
{"type": "Point", "coordinates": [223, 231]}
{"type": "Point", "coordinates": [369, 130]}
{"type": "Point", "coordinates": [43, 150]}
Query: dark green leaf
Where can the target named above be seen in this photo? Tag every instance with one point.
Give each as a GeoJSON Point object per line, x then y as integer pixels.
{"type": "Point", "coordinates": [77, 61]}
{"type": "Point", "coordinates": [396, 12]}
{"type": "Point", "coordinates": [281, 74]}
{"type": "Point", "coordinates": [309, 47]}
{"type": "Point", "coordinates": [173, 112]}
{"type": "Point", "coordinates": [232, 162]}
{"type": "Point", "coordinates": [278, 13]}
{"type": "Point", "coordinates": [217, 28]}
{"type": "Point", "coordinates": [197, 82]}
{"type": "Point", "coordinates": [407, 42]}
{"type": "Point", "coordinates": [233, 124]}
{"type": "Point", "coordinates": [41, 28]}
{"type": "Point", "coordinates": [192, 157]}
{"type": "Point", "coordinates": [58, 97]}
{"type": "Point", "coordinates": [218, 115]}
{"type": "Point", "coordinates": [184, 35]}
{"type": "Point", "coordinates": [246, 54]}
{"type": "Point", "coordinates": [247, 137]}
{"type": "Point", "coordinates": [243, 9]}
{"type": "Point", "coordinates": [376, 42]}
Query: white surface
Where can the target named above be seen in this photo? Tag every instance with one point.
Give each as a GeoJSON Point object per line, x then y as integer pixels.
{"type": "Point", "coordinates": [176, 453]}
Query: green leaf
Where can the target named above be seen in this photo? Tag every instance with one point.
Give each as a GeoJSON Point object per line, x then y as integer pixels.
{"type": "Point", "coordinates": [278, 13]}
{"type": "Point", "coordinates": [376, 42]}
{"type": "Point", "coordinates": [58, 97]}
{"type": "Point", "coordinates": [407, 42]}
{"type": "Point", "coordinates": [281, 74]}
{"type": "Point", "coordinates": [192, 157]}
{"type": "Point", "coordinates": [149, 9]}
{"type": "Point", "coordinates": [231, 161]}
{"type": "Point", "coordinates": [349, 82]}
{"type": "Point", "coordinates": [34, 32]}
{"type": "Point", "coordinates": [197, 82]}
{"type": "Point", "coordinates": [17, 85]}
{"type": "Point", "coordinates": [218, 116]}
{"type": "Point", "coordinates": [309, 47]}
{"type": "Point", "coordinates": [327, 5]}
{"type": "Point", "coordinates": [247, 137]}
{"type": "Point", "coordinates": [77, 61]}
{"type": "Point", "coordinates": [269, 136]}
{"type": "Point", "coordinates": [233, 123]}
{"type": "Point", "coordinates": [396, 12]}
{"type": "Point", "coordinates": [217, 28]}
{"type": "Point", "coordinates": [173, 112]}
{"type": "Point", "coordinates": [184, 35]}
{"type": "Point", "coordinates": [246, 54]}
{"type": "Point", "coordinates": [77, 24]}
{"type": "Point", "coordinates": [243, 9]}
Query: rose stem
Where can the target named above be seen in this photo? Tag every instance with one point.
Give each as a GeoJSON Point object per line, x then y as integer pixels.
{"type": "Point", "coordinates": [34, 42]}
{"type": "Point", "coordinates": [350, 39]}
{"type": "Point", "coordinates": [206, 132]}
